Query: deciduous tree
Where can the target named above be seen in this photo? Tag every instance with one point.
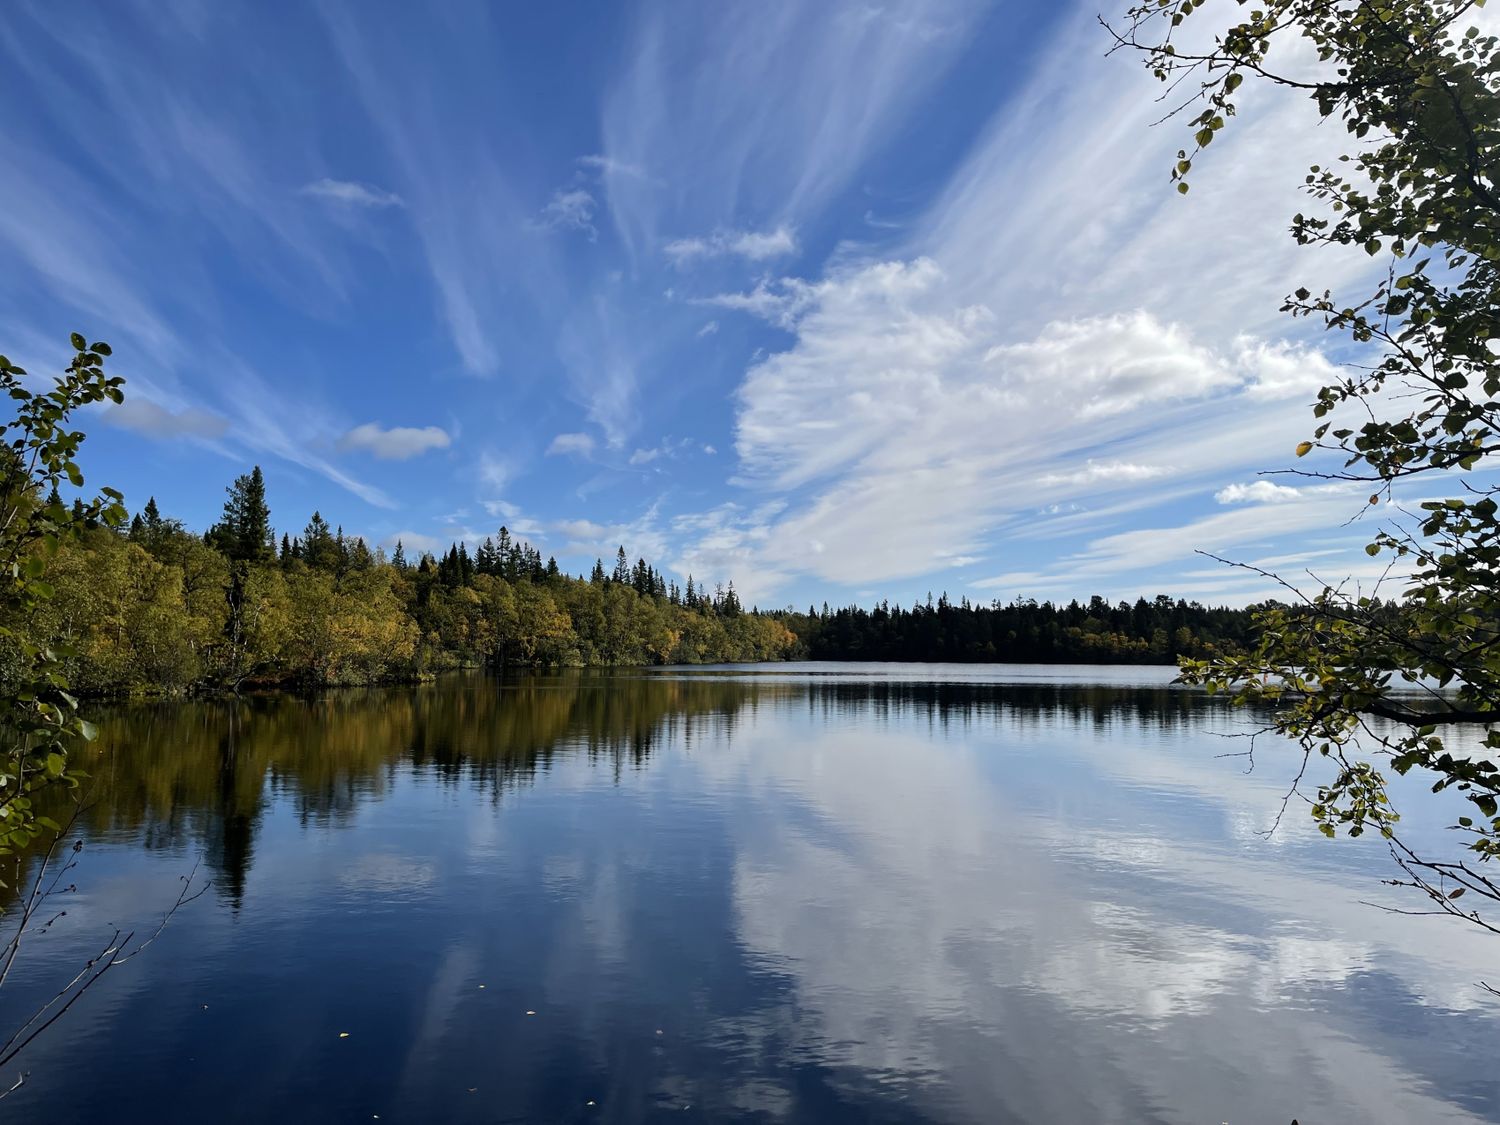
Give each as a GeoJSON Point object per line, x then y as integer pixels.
{"type": "Point", "coordinates": [1411, 686]}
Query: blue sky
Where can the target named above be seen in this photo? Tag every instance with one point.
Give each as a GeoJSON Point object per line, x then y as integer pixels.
{"type": "Point", "coordinates": [839, 301]}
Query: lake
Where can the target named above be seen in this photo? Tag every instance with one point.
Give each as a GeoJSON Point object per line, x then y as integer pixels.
{"type": "Point", "coordinates": [775, 893]}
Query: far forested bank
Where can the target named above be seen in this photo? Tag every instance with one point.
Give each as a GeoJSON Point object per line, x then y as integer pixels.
{"type": "Point", "coordinates": [154, 608]}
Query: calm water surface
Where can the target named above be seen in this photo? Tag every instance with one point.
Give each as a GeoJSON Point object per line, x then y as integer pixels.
{"type": "Point", "coordinates": [796, 893]}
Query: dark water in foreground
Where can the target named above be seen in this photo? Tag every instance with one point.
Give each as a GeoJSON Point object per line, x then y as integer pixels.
{"type": "Point", "coordinates": [889, 893]}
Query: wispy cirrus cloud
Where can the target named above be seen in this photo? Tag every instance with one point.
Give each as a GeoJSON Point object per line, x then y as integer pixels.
{"type": "Point", "coordinates": [753, 246]}
{"type": "Point", "coordinates": [968, 395]}
{"type": "Point", "coordinates": [1094, 471]}
{"type": "Point", "coordinates": [351, 194]}
{"type": "Point", "coordinates": [467, 210]}
{"type": "Point", "coordinates": [694, 99]}
{"type": "Point", "coordinates": [573, 444]}
{"type": "Point", "coordinates": [571, 209]}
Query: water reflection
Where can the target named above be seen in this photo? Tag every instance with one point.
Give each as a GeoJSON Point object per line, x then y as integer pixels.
{"type": "Point", "coordinates": [764, 897]}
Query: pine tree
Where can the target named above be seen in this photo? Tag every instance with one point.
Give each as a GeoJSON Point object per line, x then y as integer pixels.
{"type": "Point", "coordinates": [622, 567]}
{"type": "Point", "coordinates": [398, 560]}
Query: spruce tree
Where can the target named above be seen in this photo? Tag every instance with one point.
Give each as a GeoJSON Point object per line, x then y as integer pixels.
{"type": "Point", "coordinates": [319, 550]}
{"type": "Point", "coordinates": [244, 533]}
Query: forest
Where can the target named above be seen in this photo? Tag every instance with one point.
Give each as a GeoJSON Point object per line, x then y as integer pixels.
{"type": "Point", "coordinates": [1155, 631]}
{"type": "Point", "coordinates": [152, 607]}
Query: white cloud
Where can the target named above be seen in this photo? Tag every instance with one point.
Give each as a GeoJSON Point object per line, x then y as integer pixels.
{"type": "Point", "coordinates": [580, 445]}
{"type": "Point", "coordinates": [571, 209]}
{"type": "Point", "coordinates": [580, 529]}
{"type": "Point", "coordinates": [780, 302]}
{"type": "Point", "coordinates": [879, 377]}
{"type": "Point", "coordinates": [642, 537]}
{"type": "Point", "coordinates": [754, 246]}
{"type": "Point", "coordinates": [1109, 365]}
{"type": "Point", "coordinates": [1095, 471]}
{"type": "Point", "coordinates": [1257, 492]}
{"type": "Point", "coordinates": [608, 166]}
{"type": "Point", "coordinates": [1057, 327]}
{"type": "Point", "coordinates": [708, 329]}
{"type": "Point", "coordinates": [901, 410]}
{"type": "Point", "coordinates": [502, 508]}
{"type": "Point", "coordinates": [1284, 370]}
{"type": "Point", "coordinates": [669, 448]}
{"type": "Point", "coordinates": [494, 471]}
{"type": "Point", "coordinates": [154, 420]}
{"type": "Point", "coordinates": [395, 444]}
{"type": "Point", "coordinates": [352, 194]}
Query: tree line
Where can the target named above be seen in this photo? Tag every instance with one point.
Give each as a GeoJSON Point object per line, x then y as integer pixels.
{"type": "Point", "coordinates": [1155, 631]}
{"type": "Point", "coordinates": [150, 606]}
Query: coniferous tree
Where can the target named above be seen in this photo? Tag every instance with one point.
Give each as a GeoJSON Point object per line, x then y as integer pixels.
{"type": "Point", "coordinates": [360, 558]}
{"type": "Point", "coordinates": [244, 533]}
{"type": "Point", "coordinates": [319, 550]}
